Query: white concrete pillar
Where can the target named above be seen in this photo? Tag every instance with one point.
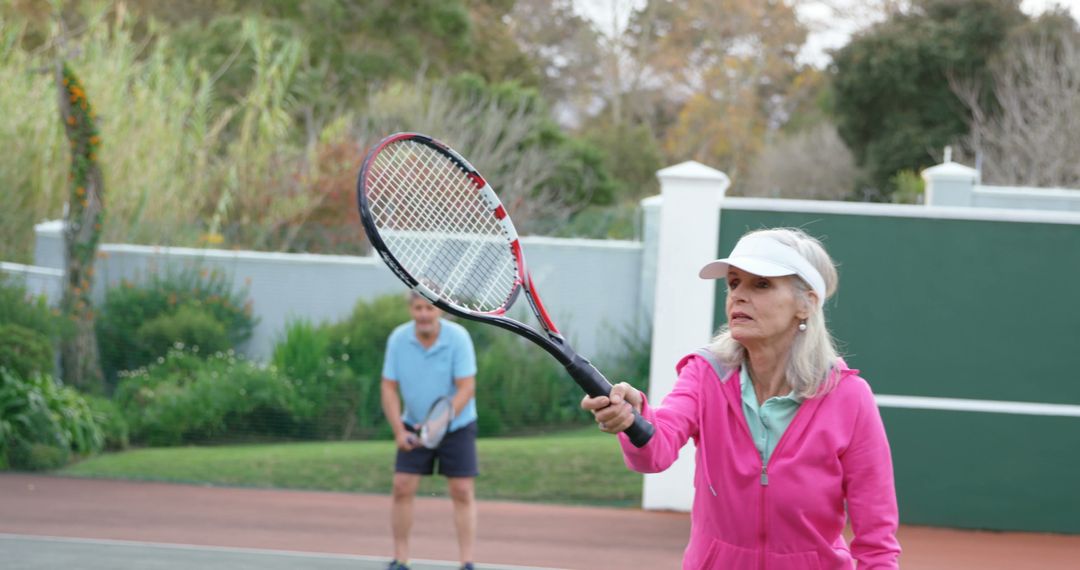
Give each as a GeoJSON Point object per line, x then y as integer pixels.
{"type": "Point", "coordinates": [950, 184]}
{"type": "Point", "coordinates": [683, 304]}
{"type": "Point", "coordinates": [49, 245]}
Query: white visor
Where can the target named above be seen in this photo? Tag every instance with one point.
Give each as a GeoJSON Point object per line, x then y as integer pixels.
{"type": "Point", "coordinates": [764, 256]}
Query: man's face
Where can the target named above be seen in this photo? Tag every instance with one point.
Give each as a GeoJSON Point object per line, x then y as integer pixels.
{"type": "Point", "coordinates": [425, 315]}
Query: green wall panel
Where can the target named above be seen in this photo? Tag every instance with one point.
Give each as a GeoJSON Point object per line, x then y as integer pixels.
{"type": "Point", "coordinates": [986, 471]}
{"type": "Point", "coordinates": [984, 310]}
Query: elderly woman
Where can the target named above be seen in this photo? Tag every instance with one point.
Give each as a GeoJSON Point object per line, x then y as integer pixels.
{"type": "Point", "coordinates": [789, 439]}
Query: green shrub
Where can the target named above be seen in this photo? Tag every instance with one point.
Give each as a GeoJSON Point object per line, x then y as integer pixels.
{"type": "Point", "coordinates": [110, 418]}
{"type": "Point", "coordinates": [188, 326]}
{"type": "Point", "coordinates": [19, 307]}
{"type": "Point", "coordinates": [24, 351]}
{"type": "Point", "coordinates": [323, 382]}
{"type": "Point", "coordinates": [37, 411]}
{"type": "Point", "coordinates": [618, 221]}
{"type": "Point", "coordinates": [336, 370]}
{"type": "Point", "coordinates": [185, 399]}
{"type": "Point", "coordinates": [303, 350]}
{"type": "Point", "coordinates": [39, 456]}
{"type": "Point", "coordinates": [358, 344]}
{"type": "Point", "coordinates": [175, 302]}
{"type": "Point", "coordinates": [630, 358]}
{"type": "Point", "coordinates": [519, 386]}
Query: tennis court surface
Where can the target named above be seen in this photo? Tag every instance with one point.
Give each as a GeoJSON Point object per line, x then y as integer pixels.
{"type": "Point", "coordinates": [56, 522]}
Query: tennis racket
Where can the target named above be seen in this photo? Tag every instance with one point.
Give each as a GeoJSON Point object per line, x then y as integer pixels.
{"type": "Point", "coordinates": [435, 425]}
{"type": "Point", "coordinates": [442, 230]}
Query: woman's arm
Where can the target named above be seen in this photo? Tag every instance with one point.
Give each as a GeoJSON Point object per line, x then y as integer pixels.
{"type": "Point", "coordinates": [675, 421]}
{"type": "Point", "coordinates": [870, 490]}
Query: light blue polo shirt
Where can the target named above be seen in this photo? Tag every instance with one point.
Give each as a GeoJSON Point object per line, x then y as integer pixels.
{"type": "Point", "coordinates": [770, 420]}
{"type": "Point", "coordinates": [424, 375]}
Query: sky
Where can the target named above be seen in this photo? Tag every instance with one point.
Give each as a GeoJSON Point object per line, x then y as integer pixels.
{"type": "Point", "coordinates": [826, 32]}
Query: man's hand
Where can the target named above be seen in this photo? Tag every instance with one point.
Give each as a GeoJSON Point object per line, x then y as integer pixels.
{"type": "Point", "coordinates": [406, 440]}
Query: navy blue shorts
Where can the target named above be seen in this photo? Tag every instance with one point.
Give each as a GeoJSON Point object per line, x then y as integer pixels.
{"type": "Point", "coordinates": [456, 456]}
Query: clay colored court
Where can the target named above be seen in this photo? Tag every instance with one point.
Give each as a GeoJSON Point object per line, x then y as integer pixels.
{"type": "Point", "coordinates": [57, 522]}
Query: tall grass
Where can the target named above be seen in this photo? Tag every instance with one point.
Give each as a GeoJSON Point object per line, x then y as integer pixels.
{"type": "Point", "coordinates": [192, 157]}
{"type": "Point", "coordinates": [179, 167]}
{"type": "Point", "coordinates": [32, 165]}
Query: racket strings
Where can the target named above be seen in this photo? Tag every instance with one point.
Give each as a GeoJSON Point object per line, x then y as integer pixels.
{"type": "Point", "coordinates": [440, 228]}
{"type": "Point", "coordinates": [437, 423]}
{"type": "Point", "coordinates": [457, 271]}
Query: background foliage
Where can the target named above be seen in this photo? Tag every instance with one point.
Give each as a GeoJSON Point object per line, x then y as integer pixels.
{"type": "Point", "coordinates": [243, 123]}
{"type": "Point", "coordinates": [140, 321]}
{"type": "Point", "coordinates": [236, 124]}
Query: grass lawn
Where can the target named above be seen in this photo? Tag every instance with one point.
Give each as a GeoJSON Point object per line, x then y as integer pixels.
{"type": "Point", "coordinates": [577, 467]}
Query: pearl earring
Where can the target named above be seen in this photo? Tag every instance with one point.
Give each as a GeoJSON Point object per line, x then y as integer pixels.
{"type": "Point", "coordinates": [802, 326]}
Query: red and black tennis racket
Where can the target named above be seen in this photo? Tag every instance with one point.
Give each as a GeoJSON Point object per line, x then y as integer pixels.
{"type": "Point", "coordinates": [442, 230]}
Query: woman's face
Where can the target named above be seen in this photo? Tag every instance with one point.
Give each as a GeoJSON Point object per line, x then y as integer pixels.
{"type": "Point", "coordinates": [762, 310]}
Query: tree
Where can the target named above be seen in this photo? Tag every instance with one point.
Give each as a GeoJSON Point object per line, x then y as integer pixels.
{"type": "Point", "coordinates": [565, 49]}
{"type": "Point", "coordinates": [1024, 132]}
{"type": "Point", "coordinates": [893, 104]}
{"type": "Point", "coordinates": [726, 64]}
{"type": "Point", "coordinates": [79, 356]}
{"type": "Point", "coordinates": [812, 164]}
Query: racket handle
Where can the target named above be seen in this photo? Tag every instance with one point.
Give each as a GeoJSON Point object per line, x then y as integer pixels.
{"type": "Point", "coordinates": [593, 382]}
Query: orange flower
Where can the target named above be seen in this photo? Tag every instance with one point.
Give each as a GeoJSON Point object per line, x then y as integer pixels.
{"type": "Point", "coordinates": [213, 238]}
{"type": "Point", "coordinates": [80, 191]}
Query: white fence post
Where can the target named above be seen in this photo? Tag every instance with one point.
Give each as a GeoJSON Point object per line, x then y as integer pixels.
{"type": "Point", "coordinates": [950, 184]}
{"type": "Point", "coordinates": [49, 245]}
{"type": "Point", "coordinates": [683, 304]}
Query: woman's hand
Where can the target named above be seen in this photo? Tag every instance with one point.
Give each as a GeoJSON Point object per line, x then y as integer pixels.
{"type": "Point", "coordinates": [614, 412]}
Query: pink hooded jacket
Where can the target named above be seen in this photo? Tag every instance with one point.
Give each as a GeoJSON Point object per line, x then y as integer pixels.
{"type": "Point", "coordinates": [790, 517]}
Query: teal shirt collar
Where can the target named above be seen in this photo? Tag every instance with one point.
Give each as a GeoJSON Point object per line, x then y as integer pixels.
{"type": "Point", "coordinates": [770, 420]}
{"type": "Point", "coordinates": [749, 397]}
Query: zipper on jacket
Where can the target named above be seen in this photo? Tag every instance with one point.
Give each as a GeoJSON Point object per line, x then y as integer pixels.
{"type": "Point", "coordinates": [761, 520]}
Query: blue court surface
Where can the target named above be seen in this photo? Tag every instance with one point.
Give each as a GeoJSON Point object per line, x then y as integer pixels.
{"type": "Point", "coordinates": [23, 552]}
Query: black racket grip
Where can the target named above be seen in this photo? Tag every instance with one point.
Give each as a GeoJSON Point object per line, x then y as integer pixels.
{"type": "Point", "coordinates": [593, 382]}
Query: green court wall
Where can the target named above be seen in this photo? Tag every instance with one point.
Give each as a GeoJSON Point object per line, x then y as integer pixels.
{"type": "Point", "coordinates": [960, 308]}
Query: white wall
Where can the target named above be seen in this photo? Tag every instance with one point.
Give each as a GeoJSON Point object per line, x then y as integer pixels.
{"type": "Point", "coordinates": [591, 288]}
{"type": "Point", "coordinates": [955, 185]}
{"type": "Point", "coordinates": [39, 281]}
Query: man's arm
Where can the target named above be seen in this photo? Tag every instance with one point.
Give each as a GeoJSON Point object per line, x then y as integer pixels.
{"type": "Point", "coordinates": [466, 387]}
{"type": "Point", "coordinates": [391, 406]}
{"type": "Point", "coordinates": [464, 372]}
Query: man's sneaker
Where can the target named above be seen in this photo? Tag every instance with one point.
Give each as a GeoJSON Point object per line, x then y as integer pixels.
{"type": "Point", "coordinates": [467, 566]}
{"type": "Point", "coordinates": [395, 565]}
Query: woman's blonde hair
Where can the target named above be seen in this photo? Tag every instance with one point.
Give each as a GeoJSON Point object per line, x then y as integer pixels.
{"type": "Point", "coordinates": [814, 353]}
